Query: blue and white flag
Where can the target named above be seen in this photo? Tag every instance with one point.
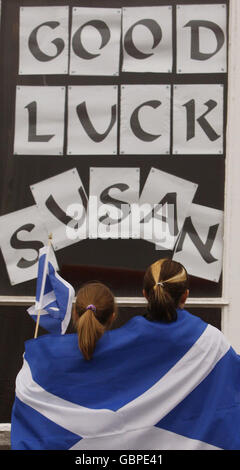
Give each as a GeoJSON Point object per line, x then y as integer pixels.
{"type": "Point", "coordinates": [54, 296]}
{"type": "Point", "coordinates": [149, 385]}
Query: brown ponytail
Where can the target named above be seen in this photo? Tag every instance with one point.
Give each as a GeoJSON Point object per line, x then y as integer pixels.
{"type": "Point", "coordinates": [164, 283]}
{"type": "Point", "coordinates": [91, 322]}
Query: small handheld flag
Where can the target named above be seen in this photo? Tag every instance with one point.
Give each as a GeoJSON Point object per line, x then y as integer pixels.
{"type": "Point", "coordinates": [54, 296]}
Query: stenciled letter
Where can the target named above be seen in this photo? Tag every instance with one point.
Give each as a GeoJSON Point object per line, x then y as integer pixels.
{"type": "Point", "coordinates": [207, 128]}
{"type": "Point", "coordinates": [129, 45]}
{"type": "Point", "coordinates": [32, 125]}
{"type": "Point", "coordinates": [34, 46]}
{"type": "Point", "coordinates": [77, 45]}
{"type": "Point", "coordinates": [61, 215]}
{"type": "Point", "coordinates": [87, 125]}
{"type": "Point", "coordinates": [123, 206]}
{"type": "Point", "coordinates": [26, 245]}
{"type": "Point", "coordinates": [204, 249]}
{"type": "Point", "coordinates": [196, 54]}
{"type": "Point", "coordinates": [171, 200]}
{"type": "Point", "coordinates": [135, 124]}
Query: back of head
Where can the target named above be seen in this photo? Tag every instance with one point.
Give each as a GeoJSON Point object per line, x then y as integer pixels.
{"type": "Point", "coordinates": [92, 315]}
{"type": "Point", "coordinates": [164, 283]}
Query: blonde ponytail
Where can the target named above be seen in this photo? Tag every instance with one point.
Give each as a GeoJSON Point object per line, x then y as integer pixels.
{"type": "Point", "coordinates": [164, 283]}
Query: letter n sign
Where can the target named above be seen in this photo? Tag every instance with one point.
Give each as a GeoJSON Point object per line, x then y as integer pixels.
{"type": "Point", "coordinates": [201, 38]}
{"type": "Point", "coordinates": [199, 246]}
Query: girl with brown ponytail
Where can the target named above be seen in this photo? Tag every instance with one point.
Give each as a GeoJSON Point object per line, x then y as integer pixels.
{"type": "Point", "coordinates": [93, 313]}
{"type": "Point", "coordinates": [165, 287]}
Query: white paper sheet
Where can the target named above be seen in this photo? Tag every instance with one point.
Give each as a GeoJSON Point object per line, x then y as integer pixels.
{"type": "Point", "coordinates": [111, 194]}
{"type": "Point", "coordinates": [62, 203]}
{"type": "Point", "coordinates": [198, 119]}
{"type": "Point", "coordinates": [43, 40]}
{"type": "Point", "coordinates": [22, 234]}
{"type": "Point", "coordinates": [95, 41]}
{"type": "Point", "coordinates": [92, 120]}
{"type": "Point", "coordinates": [145, 119]}
{"type": "Point", "coordinates": [147, 39]}
{"type": "Point", "coordinates": [169, 199]}
{"type": "Point", "coordinates": [201, 38]}
{"type": "Point", "coordinates": [39, 120]}
{"type": "Point", "coordinates": [200, 245]}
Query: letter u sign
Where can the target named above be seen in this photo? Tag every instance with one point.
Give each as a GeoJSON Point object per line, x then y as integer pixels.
{"type": "Point", "coordinates": [95, 40]}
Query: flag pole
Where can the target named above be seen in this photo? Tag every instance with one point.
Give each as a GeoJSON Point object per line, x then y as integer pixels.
{"type": "Point", "coordinates": [43, 283]}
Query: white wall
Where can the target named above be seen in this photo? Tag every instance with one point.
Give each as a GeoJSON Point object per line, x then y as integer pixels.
{"type": "Point", "coordinates": [231, 267]}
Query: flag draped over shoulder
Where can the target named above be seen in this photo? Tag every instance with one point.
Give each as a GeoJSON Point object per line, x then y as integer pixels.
{"type": "Point", "coordinates": [54, 296]}
{"type": "Point", "coordinates": [149, 385]}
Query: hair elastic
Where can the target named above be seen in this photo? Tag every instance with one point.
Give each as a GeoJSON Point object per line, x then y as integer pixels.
{"type": "Point", "coordinates": [160, 284]}
{"type": "Point", "coordinates": [91, 307]}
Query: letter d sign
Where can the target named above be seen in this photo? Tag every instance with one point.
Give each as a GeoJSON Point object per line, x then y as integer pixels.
{"type": "Point", "coordinates": [201, 38]}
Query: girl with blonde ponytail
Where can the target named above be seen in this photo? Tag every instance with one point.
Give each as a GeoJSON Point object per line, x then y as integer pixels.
{"type": "Point", "coordinates": [93, 313]}
{"type": "Point", "coordinates": [165, 287]}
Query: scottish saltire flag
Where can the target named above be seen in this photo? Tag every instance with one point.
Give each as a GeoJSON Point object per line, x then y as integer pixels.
{"type": "Point", "coordinates": [149, 386]}
{"type": "Point", "coordinates": [54, 296]}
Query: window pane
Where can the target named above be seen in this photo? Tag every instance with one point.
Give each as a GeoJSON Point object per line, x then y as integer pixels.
{"type": "Point", "coordinates": [120, 263]}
